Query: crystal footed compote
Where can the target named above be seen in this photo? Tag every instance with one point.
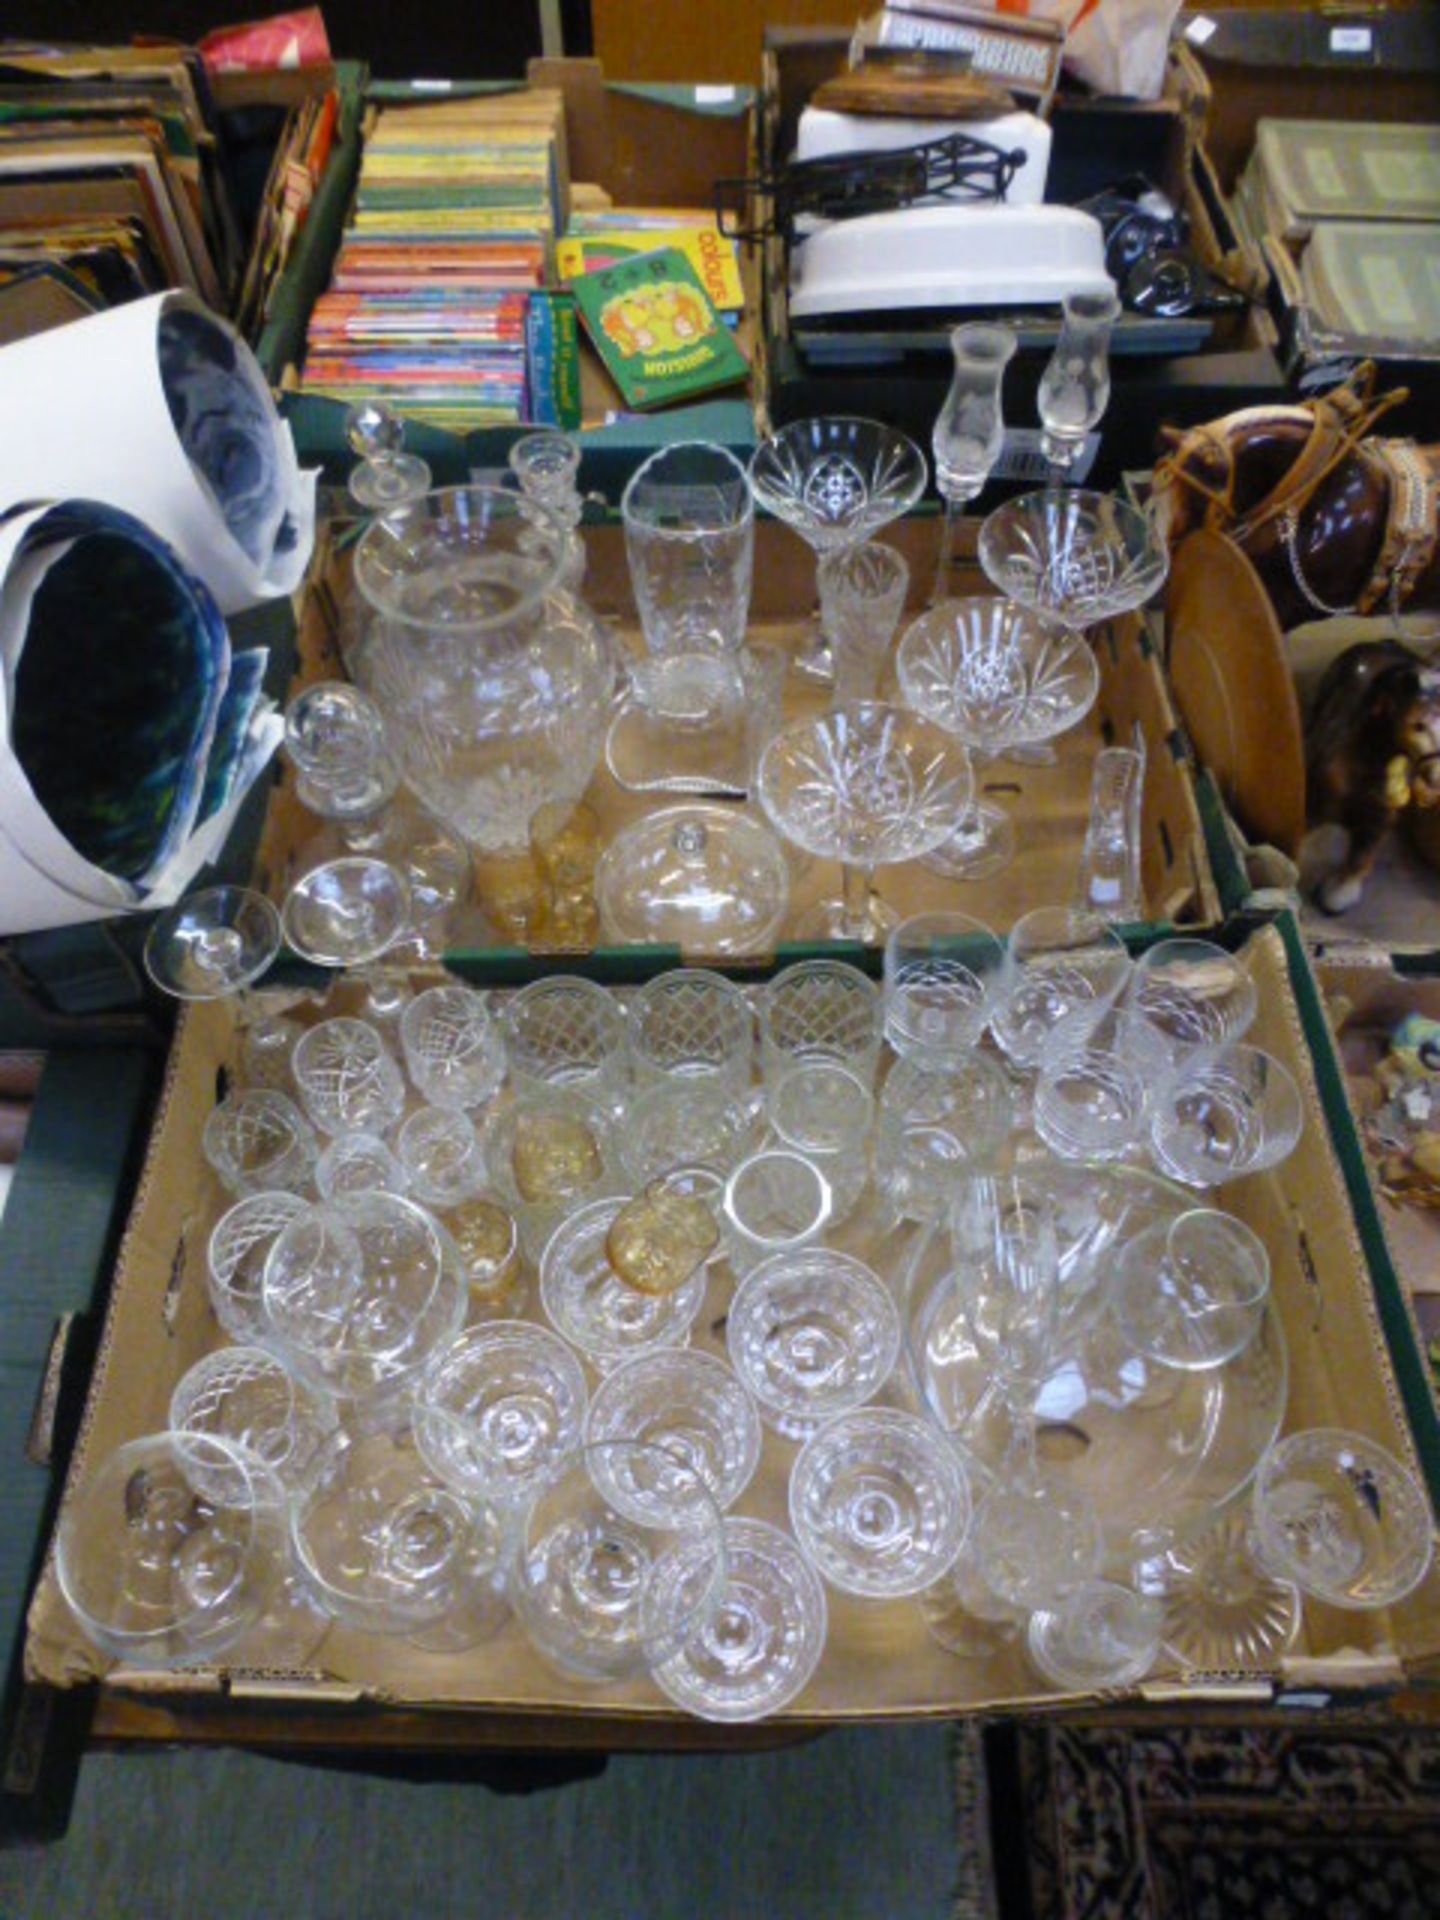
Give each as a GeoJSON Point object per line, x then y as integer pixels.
{"type": "Point", "coordinates": [213, 943]}
{"type": "Point", "coordinates": [969, 433]}
{"type": "Point", "coordinates": [1075, 386]}
{"type": "Point", "coordinates": [835, 482]}
{"type": "Point", "coordinates": [766, 1639]}
{"type": "Point", "coordinates": [868, 785]}
{"type": "Point", "coordinates": [620, 1562]}
{"type": "Point", "coordinates": [386, 476]}
{"type": "Point", "coordinates": [1006, 683]}
{"type": "Point", "coordinates": [1071, 556]}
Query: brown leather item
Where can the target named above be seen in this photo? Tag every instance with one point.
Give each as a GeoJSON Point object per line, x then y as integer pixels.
{"type": "Point", "coordinates": [1234, 689]}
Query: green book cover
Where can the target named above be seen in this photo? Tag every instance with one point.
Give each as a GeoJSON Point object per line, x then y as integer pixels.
{"type": "Point", "coordinates": [655, 329]}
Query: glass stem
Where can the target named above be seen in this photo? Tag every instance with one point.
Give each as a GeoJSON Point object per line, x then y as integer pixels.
{"type": "Point", "coordinates": [858, 886]}
{"type": "Point", "coordinates": [955, 504]}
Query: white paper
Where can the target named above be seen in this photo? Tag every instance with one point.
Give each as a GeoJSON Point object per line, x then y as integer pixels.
{"type": "Point", "coordinates": [86, 418]}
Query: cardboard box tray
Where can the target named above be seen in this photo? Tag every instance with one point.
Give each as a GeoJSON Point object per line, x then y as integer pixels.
{"type": "Point", "coordinates": [1049, 804]}
{"type": "Point", "coordinates": [880, 1662]}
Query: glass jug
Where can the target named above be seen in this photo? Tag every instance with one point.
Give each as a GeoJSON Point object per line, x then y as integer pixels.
{"type": "Point", "coordinates": [495, 681]}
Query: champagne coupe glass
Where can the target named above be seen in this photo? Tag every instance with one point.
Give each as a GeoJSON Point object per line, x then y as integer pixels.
{"type": "Point", "coordinates": [766, 1638]}
{"type": "Point", "coordinates": [880, 1502]}
{"type": "Point", "coordinates": [1100, 1635]}
{"type": "Point", "coordinates": [1072, 557]}
{"type": "Point", "coordinates": [836, 482]}
{"type": "Point", "coordinates": [213, 943]}
{"type": "Point", "coordinates": [386, 476]}
{"type": "Point", "coordinates": [868, 785]}
{"type": "Point", "coordinates": [619, 1562]}
{"type": "Point", "coordinates": [1340, 1516]}
{"type": "Point", "coordinates": [812, 1335]}
{"type": "Point", "coordinates": [1005, 683]}
{"type": "Point", "coordinates": [693, 1406]}
{"type": "Point", "coordinates": [385, 1546]}
{"type": "Point", "coordinates": [170, 1551]}
{"type": "Point", "coordinates": [1075, 386]}
{"type": "Point", "coordinates": [500, 1410]}
{"type": "Point", "coordinates": [969, 431]}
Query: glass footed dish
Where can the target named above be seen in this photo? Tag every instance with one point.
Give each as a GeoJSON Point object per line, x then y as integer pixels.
{"type": "Point", "coordinates": [1074, 556]}
{"type": "Point", "coordinates": [1142, 1440]}
{"type": "Point", "coordinates": [706, 879]}
{"type": "Point", "coordinates": [995, 675]}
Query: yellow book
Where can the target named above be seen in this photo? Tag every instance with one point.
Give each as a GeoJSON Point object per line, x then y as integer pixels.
{"type": "Point", "coordinates": [708, 251]}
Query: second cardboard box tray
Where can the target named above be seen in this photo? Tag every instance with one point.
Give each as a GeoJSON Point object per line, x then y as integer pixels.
{"type": "Point", "coordinates": [1048, 804]}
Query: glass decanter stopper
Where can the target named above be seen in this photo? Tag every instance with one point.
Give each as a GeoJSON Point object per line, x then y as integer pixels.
{"type": "Point", "coordinates": [970, 429]}
{"type": "Point", "coordinates": [1110, 859]}
{"type": "Point", "coordinates": [386, 476]}
{"type": "Point", "coordinates": [1075, 386]}
{"type": "Point", "coordinates": [547, 466]}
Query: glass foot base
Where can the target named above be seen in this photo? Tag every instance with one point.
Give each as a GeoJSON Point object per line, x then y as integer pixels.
{"type": "Point", "coordinates": [1222, 1609]}
{"type": "Point", "coordinates": [814, 658]}
{"type": "Point", "coordinates": [982, 845]}
{"type": "Point", "coordinates": [832, 920]}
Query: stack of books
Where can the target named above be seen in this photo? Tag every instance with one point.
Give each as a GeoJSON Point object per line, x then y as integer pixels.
{"type": "Point", "coordinates": [436, 302]}
{"type": "Point", "coordinates": [111, 182]}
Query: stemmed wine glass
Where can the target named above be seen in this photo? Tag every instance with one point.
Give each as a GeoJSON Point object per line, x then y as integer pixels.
{"type": "Point", "coordinates": [836, 482]}
{"type": "Point", "coordinates": [868, 785]}
{"type": "Point", "coordinates": [969, 432]}
{"type": "Point", "coordinates": [213, 943]}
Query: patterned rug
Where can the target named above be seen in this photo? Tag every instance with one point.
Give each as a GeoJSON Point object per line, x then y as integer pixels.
{"type": "Point", "coordinates": [1215, 1824]}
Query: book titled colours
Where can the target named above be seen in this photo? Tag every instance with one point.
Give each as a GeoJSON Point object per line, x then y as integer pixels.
{"type": "Point", "coordinates": [656, 330]}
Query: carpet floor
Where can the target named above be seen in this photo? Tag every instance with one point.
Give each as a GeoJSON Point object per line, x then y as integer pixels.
{"type": "Point", "coordinates": [1211, 1823]}
{"type": "Point", "coordinates": [859, 1825]}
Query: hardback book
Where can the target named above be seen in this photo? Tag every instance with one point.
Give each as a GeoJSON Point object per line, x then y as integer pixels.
{"type": "Point", "coordinates": [656, 330]}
